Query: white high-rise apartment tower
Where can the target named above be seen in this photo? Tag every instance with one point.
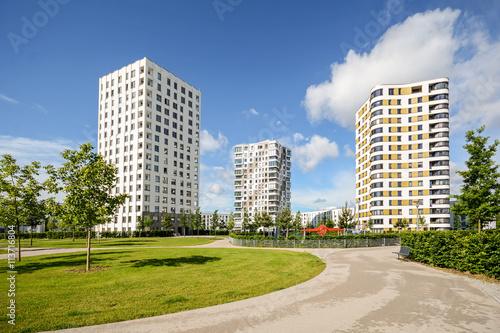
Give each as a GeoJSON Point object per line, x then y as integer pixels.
{"type": "Point", "coordinates": [263, 179]}
{"type": "Point", "coordinates": [402, 155]}
{"type": "Point", "coordinates": [149, 127]}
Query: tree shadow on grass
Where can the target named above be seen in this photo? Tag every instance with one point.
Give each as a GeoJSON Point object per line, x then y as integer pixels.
{"type": "Point", "coordinates": [174, 262]}
{"type": "Point", "coordinates": [66, 260]}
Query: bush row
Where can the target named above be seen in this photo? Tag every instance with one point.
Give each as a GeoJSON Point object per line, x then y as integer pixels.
{"type": "Point", "coordinates": [465, 250]}
{"type": "Point", "coordinates": [328, 235]}
{"type": "Point", "coordinates": [114, 234]}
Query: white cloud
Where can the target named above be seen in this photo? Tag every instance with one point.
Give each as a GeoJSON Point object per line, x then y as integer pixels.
{"type": "Point", "coordinates": [297, 137]}
{"type": "Point", "coordinates": [8, 99]}
{"type": "Point", "coordinates": [348, 152]}
{"type": "Point", "coordinates": [251, 112]}
{"type": "Point", "coordinates": [210, 144]}
{"type": "Point", "coordinates": [309, 155]}
{"type": "Point", "coordinates": [438, 43]}
{"type": "Point", "coordinates": [337, 192]}
{"type": "Point", "coordinates": [26, 150]}
{"type": "Point", "coordinates": [216, 189]}
{"type": "Point", "coordinates": [41, 108]}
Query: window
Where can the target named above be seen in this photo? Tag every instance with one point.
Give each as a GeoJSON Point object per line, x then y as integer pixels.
{"type": "Point", "coordinates": [391, 91]}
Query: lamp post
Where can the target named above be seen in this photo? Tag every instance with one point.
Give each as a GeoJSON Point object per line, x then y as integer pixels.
{"type": "Point", "coordinates": [417, 204]}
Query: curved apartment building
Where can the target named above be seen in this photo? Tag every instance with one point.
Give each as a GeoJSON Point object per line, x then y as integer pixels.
{"type": "Point", "coordinates": [402, 155]}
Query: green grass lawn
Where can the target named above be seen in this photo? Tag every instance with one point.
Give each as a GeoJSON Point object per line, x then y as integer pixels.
{"type": "Point", "coordinates": [112, 242]}
{"type": "Point", "coordinates": [52, 292]}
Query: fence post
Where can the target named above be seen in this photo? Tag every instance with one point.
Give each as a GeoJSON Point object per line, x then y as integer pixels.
{"type": "Point", "coordinates": [384, 241]}
{"type": "Point", "coordinates": [345, 242]}
{"type": "Point", "coordinates": [319, 243]}
{"type": "Point", "coordinates": [294, 243]}
{"type": "Point", "coordinates": [366, 242]}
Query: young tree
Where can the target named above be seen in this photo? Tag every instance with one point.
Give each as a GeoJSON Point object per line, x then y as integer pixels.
{"type": "Point", "coordinates": [245, 225]}
{"type": "Point", "coordinates": [330, 224]}
{"type": "Point", "coordinates": [421, 222]}
{"type": "Point", "coordinates": [20, 192]}
{"type": "Point", "coordinates": [166, 222]}
{"type": "Point", "coordinates": [266, 221]}
{"type": "Point", "coordinates": [257, 222]}
{"type": "Point", "coordinates": [284, 220]}
{"type": "Point", "coordinates": [214, 223]}
{"type": "Point", "coordinates": [297, 221]}
{"type": "Point", "coordinates": [230, 222]}
{"type": "Point", "coordinates": [197, 221]}
{"type": "Point", "coordinates": [88, 181]}
{"type": "Point", "coordinates": [401, 223]}
{"type": "Point", "coordinates": [184, 222]}
{"type": "Point", "coordinates": [346, 218]}
{"type": "Point", "coordinates": [147, 222]}
{"type": "Point", "coordinates": [369, 224]}
{"type": "Point", "coordinates": [324, 219]}
{"type": "Point", "coordinates": [309, 225]}
{"type": "Point", "coordinates": [479, 197]}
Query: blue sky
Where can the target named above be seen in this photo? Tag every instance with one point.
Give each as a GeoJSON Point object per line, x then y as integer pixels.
{"type": "Point", "coordinates": [295, 71]}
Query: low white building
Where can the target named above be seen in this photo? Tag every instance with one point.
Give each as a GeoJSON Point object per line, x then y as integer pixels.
{"type": "Point", "coordinates": [316, 217]}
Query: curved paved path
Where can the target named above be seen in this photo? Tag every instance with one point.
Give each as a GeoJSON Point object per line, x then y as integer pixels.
{"type": "Point", "coordinates": [361, 290]}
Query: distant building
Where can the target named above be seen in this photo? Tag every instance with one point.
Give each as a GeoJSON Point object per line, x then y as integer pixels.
{"type": "Point", "coordinates": [263, 179]}
{"type": "Point", "coordinates": [315, 218]}
{"type": "Point", "coordinates": [206, 219]}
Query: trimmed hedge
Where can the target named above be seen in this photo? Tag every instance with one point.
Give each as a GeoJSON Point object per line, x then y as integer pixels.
{"type": "Point", "coordinates": [464, 250]}
{"type": "Point", "coordinates": [328, 235]}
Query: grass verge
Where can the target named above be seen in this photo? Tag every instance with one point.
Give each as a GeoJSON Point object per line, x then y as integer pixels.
{"type": "Point", "coordinates": [53, 292]}
{"type": "Point", "coordinates": [114, 242]}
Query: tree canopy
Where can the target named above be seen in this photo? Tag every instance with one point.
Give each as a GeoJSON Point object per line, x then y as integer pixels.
{"type": "Point", "coordinates": [479, 197]}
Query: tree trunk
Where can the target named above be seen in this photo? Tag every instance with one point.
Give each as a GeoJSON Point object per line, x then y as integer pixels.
{"type": "Point", "coordinates": [479, 226]}
{"type": "Point", "coordinates": [89, 231]}
{"type": "Point", "coordinates": [31, 235]}
{"type": "Point", "coordinates": [73, 234]}
{"type": "Point", "coordinates": [18, 242]}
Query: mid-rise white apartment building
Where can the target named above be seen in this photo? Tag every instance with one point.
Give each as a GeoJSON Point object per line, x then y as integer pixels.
{"type": "Point", "coordinates": [149, 128]}
{"type": "Point", "coordinates": [263, 179]}
{"type": "Point", "coordinates": [315, 218]}
{"type": "Point", "coordinates": [402, 155]}
{"type": "Point", "coordinates": [206, 219]}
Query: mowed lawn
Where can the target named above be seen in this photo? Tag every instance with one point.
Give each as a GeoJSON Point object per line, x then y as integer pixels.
{"type": "Point", "coordinates": [53, 292]}
{"type": "Point", "coordinates": [114, 242]}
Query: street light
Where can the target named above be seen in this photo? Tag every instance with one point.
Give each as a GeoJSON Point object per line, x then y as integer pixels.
{"type": "Point", "coordinates": [417, 203]}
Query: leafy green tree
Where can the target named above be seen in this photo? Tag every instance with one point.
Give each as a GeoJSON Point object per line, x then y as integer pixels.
{"type": "Point", "coordinates": [330, 224]}
{"type": "Point", "coordinates": [401, 223]}
{"type": "Point", "coordinates": [324, 219]}
{"type": "Point", "coordinates": [257, 222]}
{"type": "Point", "coordinates": [214, 223]}
{"type": "Point", "coordinates": [52, 224]}
{"type": "Point", "coordinates": [297, 221]}
{"type": "Point", "coordinates": [88, 181]}
{"type": "Point", "coordinates": [309, 225]}
{"type": "Point", "coordinates": [230, 222]}
{"type": "Point", "coordinates": [369, 224]}
{"type": "Point", "coordinates": [284, 220]}
{"type": "Point", "coordinates": [184, 222]}
{"type": "Point", "coordinates": [197, 221]}
{"type": "Point", "coordinates": [148, 222]}
{"type": "Point", "coordinates": [479, 197]}
{"type": "Point", "coordinates": [266, 221]}
{"type": "Point", "coordinates": [245, 225]}
{"type": "Point", "coordinates": [421, 222]}
{"type": "Point", "coordinates": [19, 192]}
{"type": "Point", "coordinates": [346, 218]}
{"type": "Point", "coordinates": [166, 222]}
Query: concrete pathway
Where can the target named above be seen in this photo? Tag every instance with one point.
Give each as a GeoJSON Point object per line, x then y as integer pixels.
{"type": "Point", "coordinates": [361, 290]}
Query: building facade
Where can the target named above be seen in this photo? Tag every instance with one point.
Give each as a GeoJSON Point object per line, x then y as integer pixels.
{"type": "Point", "coordinates": [206, 219]}
{"type": "Point", "coordinates": [149, 128]}
{"type": "Point", "coordinates": [402, 155]}
{"type": "Point", "coordinates": [315, 218]}
{"type": "Point", "coordinates": [263, 179]}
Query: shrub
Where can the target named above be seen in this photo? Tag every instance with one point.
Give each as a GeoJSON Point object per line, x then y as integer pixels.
{"type": "Point", "coordinates": [464, 250]}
